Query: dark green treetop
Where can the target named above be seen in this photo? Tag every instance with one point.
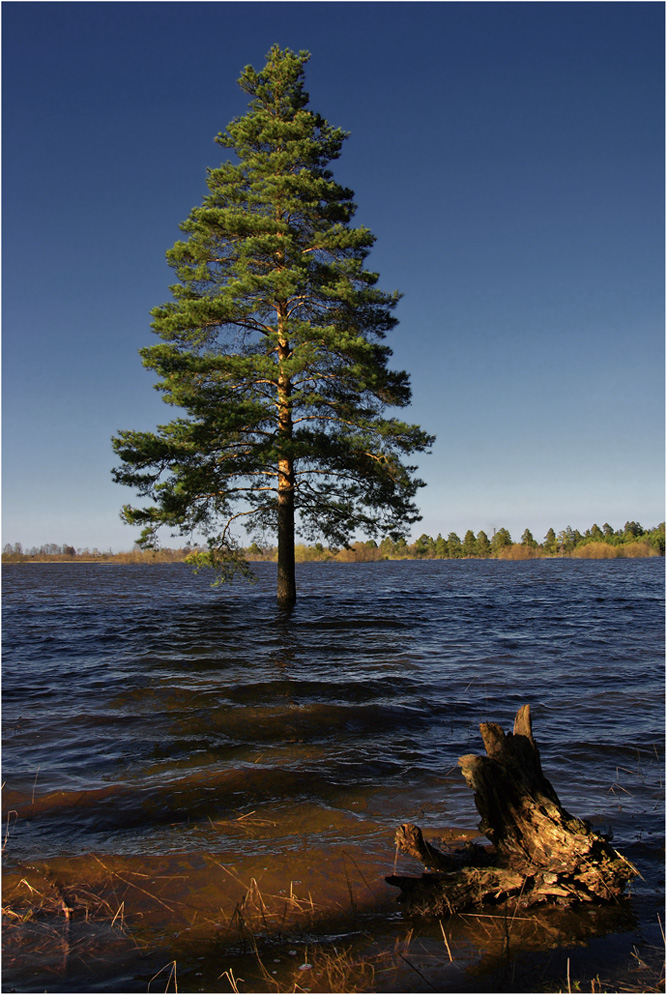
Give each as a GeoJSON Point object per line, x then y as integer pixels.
{"type": "Point", "coordinates": [469, 547]}
{"type": "Point", "coordinates": [454, 546]}
{"type": "Point", "coordinates": [425, 546]}
{"type": "Point", "coordinates": [500, 540]}
{"type": "Point", "coordinates": [482, 544]}
{"type": "Point", "coordinates": [527, 539]}
{"type": "Point", "coordinates": [551, 543]}
{"type": "Point", "coordinates": [441, 547]}
{"type": "Point", "coordinates": [272, 347]}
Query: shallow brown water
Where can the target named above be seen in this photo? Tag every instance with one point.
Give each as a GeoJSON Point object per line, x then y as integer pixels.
{"type": "Point", "coordinates": [191, 770]}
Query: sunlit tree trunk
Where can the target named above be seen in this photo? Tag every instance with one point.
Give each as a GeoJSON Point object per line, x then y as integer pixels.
{"type": "Point", "coordinates": [286, 571]}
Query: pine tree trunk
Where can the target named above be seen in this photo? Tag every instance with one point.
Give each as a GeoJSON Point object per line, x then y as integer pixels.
{"type": "Point", "coordinates": [286, 569]}
{"type": "Point", "coordinates": [540, 853]}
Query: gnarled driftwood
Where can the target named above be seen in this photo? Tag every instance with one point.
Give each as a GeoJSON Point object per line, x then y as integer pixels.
{"type": "Point", "coordinates": [540, 853]}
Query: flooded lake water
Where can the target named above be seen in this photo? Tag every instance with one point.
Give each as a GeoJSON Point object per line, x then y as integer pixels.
{"type": "Point", "coordinates": [198, 768]}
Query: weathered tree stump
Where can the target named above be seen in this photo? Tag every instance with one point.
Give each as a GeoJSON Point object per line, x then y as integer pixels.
{"type": "Point", "coordinates": [540, 853]}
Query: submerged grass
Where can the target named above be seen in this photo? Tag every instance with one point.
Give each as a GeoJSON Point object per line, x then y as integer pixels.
{"type": "Point", "coordinates": [330, 968]}
{"type": "Point", "coordinates": [27, 903]}
{"type": "Point", "coordinates": [269, 944]}
{"type": "Point", "coordinates": [54, 928]}
{"type": "Point", "coordinates": [195, 932]}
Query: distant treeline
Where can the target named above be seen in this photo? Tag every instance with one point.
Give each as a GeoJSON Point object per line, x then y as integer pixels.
{"type": "Point", "coordinates": [595, 543]}
{"type": "Point", "coordinates": [52, 553]}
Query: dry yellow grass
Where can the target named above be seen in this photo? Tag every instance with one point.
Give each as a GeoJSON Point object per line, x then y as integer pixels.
{"type": "Point", "coordinates": [607, 551]}
{"type": "Point", "coordinates": [517, 551]}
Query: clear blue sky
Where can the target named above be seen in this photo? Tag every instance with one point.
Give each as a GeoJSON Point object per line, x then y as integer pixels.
{"type": "Point", "coordinates": [509, 159]}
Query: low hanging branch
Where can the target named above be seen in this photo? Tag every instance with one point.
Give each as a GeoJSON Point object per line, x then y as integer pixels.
{"type": "Point", "coordinates": [540, 853]}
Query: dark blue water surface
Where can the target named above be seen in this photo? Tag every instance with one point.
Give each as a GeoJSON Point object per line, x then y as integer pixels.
{"type": "Point", "coordinates": [143, 708]}
{"type": "Point", "coordinates": [188, 700]}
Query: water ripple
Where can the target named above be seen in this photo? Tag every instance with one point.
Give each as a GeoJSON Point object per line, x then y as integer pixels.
{"type": "Point", "coordinates": [137, 698]}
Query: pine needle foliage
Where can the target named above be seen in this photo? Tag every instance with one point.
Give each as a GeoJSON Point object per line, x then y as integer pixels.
{"type": "Point", "coordinates": [273, 348]}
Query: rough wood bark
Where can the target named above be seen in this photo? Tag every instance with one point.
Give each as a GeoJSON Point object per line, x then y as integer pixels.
{"type": "Point", "coordinates": [286, 592]}
{"type": "Point", "coordinates": [539, 853]}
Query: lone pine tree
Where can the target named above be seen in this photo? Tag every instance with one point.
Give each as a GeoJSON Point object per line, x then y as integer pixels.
{"type": "Point", "coordinates": [272, 347]}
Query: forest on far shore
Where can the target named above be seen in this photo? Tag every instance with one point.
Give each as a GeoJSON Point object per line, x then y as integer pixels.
{"type": "Point", "coordinates": [594, 544]}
